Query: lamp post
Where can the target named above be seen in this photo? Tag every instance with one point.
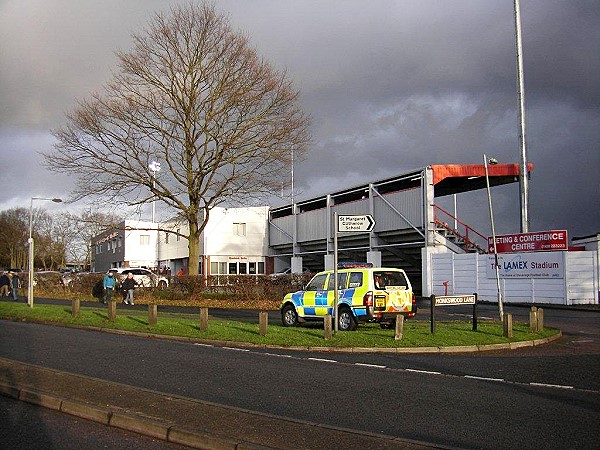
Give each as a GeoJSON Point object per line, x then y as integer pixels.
{"type": "Point", "coordinates": [154, 167]}
{"type": "Point", "coordinates": [31, 251]}
{"type": "Point", "coordinates": [492, 162]}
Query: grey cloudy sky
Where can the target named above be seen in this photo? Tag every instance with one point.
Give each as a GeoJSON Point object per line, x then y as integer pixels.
{"type": "Point", "coordinates": [391, 85]}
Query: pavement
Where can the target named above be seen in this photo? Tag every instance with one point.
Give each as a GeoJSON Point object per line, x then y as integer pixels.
{"type": "Point", "coordinates": [185, 421]}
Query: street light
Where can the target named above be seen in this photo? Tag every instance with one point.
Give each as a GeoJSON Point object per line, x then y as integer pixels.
{"type": "Point", "coordinates": [492, 162]}
{"type": "Point", "coordinates": [30, 242]}
{"type": "Point", "coordinates": [154, 167]}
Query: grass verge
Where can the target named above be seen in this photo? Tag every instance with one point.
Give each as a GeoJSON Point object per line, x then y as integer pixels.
{"type": "Point", "coordinates": [416, 333]}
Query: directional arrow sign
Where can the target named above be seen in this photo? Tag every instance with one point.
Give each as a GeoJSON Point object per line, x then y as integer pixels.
{"type": "Point", "coordinates": [355, 223]}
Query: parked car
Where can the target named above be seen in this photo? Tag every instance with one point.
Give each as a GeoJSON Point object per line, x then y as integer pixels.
{"type": "Point", "coordinates": [366, 294]}
{"type": "Point", "coordinates": [144, 277]}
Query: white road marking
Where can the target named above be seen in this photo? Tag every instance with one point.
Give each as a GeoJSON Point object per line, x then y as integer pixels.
{"type": "Point", "coordinates": [376, 366]}
{"type": "Point", "coordinates": [556, 386]}
{"type": "Point", "coordinates": [473, 377]}
{"type": "Point", "coordinates": [428, 372]}
{"type": "Point", "coordinates": [322, 360]}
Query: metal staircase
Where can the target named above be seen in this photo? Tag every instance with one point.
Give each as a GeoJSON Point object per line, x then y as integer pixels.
{"type": "Point", "coordinates": [459, 233]}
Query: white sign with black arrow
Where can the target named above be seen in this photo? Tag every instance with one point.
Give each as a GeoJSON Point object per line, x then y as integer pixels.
{"type": "Point", "coordinates": [355, 223]}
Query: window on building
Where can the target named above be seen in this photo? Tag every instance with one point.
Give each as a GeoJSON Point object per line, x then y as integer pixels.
{"type": "Point", "coordinates": [243, 268]}
{"type": "Point", "coordinates": [261, 267]}
{"type": "Point", "coordinates": [252, 268]}
{"type": "Point", "coordinates": [119, 242]}
{"type": "Point", "coordinates": [239, 229]}
{"type": "Point", "coordinates": [144, 239]}
{"type": "Point", "coordinates": [166, 237]}
{"type": "Point", "coordinates": [178, 237]}
{"type": "Point", "coordinates": [214, 268]}
{"type": "Point", "coordinates": [232, 269]}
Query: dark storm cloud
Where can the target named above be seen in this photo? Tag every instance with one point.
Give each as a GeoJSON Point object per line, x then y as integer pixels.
{"type": "Point", "coordinates": [392, 85]}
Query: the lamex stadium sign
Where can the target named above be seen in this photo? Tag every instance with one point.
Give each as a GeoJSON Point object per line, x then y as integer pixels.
{"type": "Point", "coordinates": [527, 265]}
{"type": "Point", "coordinates": [541, 241]}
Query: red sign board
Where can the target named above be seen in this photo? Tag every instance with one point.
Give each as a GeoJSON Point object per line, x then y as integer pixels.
{"type": "Point", "coordinates": [541, 241]}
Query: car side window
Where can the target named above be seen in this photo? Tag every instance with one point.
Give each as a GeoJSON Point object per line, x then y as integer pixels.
{"type": "Point", "coordinates": [356, 280]}
{"type": "Point", "coordinates": [342, 277]}
{"type": "Point", "coordinates": [317, 283]}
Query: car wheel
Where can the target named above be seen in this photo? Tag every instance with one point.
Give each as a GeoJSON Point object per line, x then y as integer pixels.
{"type": "Point", "coordinates": [289, 316]}
{"type": "Point", "coordinates": [346, 321]}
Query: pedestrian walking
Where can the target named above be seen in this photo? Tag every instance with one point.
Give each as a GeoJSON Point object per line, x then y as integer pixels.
{"type": "Point", "coordinates": [109, 284]}
{"type": "Point", "coordinates": [128, 287]}
{"type": "Point", "coordinates": [4, 285]}
{"type": "Point", "coordinates": [15, 285]}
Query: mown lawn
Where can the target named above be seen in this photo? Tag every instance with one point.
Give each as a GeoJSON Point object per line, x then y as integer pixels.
{"type": "Point", "coordinates": [416, 333]}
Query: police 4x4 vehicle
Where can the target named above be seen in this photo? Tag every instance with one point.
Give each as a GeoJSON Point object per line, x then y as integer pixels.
{"type": "Point", "coordinates": [366, 294]}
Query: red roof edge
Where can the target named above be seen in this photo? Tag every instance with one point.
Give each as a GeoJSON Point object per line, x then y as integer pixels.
{"type": "Point", "coordinates": [443, 171]}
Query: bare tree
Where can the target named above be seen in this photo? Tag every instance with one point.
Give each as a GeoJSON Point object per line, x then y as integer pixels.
{"type": "Point", "coordinates": [49, 241]}
{"type": "Point", "coordinates": [14, 225]}
{"type": "Point", "coordinates": [194, 96]}
{"type": "Point", "coordinates": [79, 229]}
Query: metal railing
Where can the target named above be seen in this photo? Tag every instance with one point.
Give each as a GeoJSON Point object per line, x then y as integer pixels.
{"type": "Point", "coordinates": [459, 232]}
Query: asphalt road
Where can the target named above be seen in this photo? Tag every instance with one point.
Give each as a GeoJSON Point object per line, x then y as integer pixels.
{"type": "Point", "coordinates": [542, 397]}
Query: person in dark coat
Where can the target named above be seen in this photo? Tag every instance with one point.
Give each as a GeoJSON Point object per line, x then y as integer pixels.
{"type": "Point", "coordinates": [16, 284]}
{"type": "Point", "coordinates": [128, 287]}
{"type": "Point", "coordinates": [4, 284]}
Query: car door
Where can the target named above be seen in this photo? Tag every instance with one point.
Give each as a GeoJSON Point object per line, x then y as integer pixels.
{"type": "Point", "coordinates": [314, 298]}
{"type": "Point", "coordinates": [344, 295]}
{"type": "Point", "coordinates": [395, 291]}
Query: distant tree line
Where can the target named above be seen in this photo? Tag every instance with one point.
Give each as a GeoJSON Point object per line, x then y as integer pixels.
{"type": "Point", "coordinates": [59, 239]}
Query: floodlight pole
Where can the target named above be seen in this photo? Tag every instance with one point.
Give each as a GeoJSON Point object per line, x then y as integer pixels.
{"type": "Point", "coordinates": [31, 253]}
{"type": "Point", "coordinates": [523, 175]}
{"type": "Point", "coordinates": [496, 266]}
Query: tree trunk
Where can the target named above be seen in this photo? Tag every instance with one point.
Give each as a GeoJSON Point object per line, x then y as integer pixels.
{"type": "Point", "coordinates": [194, 249]}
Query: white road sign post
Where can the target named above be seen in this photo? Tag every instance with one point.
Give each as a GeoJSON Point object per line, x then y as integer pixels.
{"type": "Point", "coordinates": [353, 223]}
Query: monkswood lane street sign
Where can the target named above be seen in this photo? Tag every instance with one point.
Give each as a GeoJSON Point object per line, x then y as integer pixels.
{"type": "Point", "coordinates": [355, 223]}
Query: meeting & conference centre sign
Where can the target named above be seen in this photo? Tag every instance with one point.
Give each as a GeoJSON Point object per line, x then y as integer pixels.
{"type": "Point", "coordinates": [528, 255]}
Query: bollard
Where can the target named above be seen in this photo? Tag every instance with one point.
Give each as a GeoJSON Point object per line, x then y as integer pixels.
{"type": "Point", "coordinates": [540, 320]}
{"type": "Point", "coordinates": [152, 314]}
{"type": "Point", "coordinates": [75, 307]}
{"type": "Point", "coordinates": [508, 326]}
{"type": "Point", "coordinates": [399, 327]}
{"type": "Point", "coordinates": [533, 318]}
{"type": "Point", "coordinates": [112, 310]}
{"type": "Point", "coordinates": [327, 326]}
{"type": "Point", "coordinates": [203, 319]}
{"type": "Point", "coordinates": [263, 322]}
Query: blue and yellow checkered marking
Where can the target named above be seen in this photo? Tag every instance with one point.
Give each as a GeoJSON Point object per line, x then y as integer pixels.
{"type": "Point", "coordinates": [319, 303]}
